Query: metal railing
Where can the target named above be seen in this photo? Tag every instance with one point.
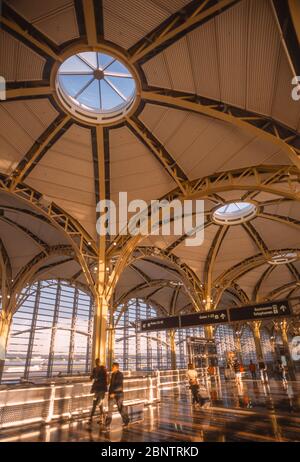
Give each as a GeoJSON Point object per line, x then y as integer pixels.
{"type": "Point", "coordinates": [21, 405]}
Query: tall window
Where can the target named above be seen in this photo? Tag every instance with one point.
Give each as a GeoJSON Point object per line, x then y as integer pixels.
{"type": "Point", "coordinates": [224, 338]}
{"type": "Point", "coordinates": [266, 345]}
{"type": "Point", "coordinates": [248, 346]}
{"type": "Point", "coordinates": [181, 340]}
{"type": "Point", "coordinates": [51, 332]}
{"type": "Point", "coordinates": [150, 350]}
{"type": "Point", "coordinates": [135, 350]}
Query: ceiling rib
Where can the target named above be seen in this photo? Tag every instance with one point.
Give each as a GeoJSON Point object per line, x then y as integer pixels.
{"type": "Point", "coordinates": [27, 33]}
{"type": "Point", "coordinates": [281, 219]}
{"type": "Point", "coordinates": [160, 153]}
{"type": "Point", "coordinates": [260, 126]}
{"type": "Point", "coordinates": [27, 90]}
{"type": "Point", "coordinates": [90, 22]}
{"type": "Point", "coordinates": [39, 149]}
{"type": "Point", "coordinates": [256, 238]}
{"type": "Point", "coordinates": [180, 23]}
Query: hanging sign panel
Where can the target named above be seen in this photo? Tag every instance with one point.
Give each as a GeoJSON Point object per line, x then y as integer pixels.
{"type": "Point", "coordinates": [261, 311]}
{"type": "Point", "coordinates": [204, 318]}
{"type": "Point", "coordinates": [172, 322]}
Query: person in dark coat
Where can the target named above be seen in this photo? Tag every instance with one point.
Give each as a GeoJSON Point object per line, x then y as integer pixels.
{"type": "Point", "coordinates": [115, 394]}
{"type": "Point", "coordinates": [99, 387]}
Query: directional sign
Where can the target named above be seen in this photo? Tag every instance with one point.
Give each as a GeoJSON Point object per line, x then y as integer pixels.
{"type": "Point", "coordinates": [261, 311]}
{"type": "Point", "coordinates": [160, 323]}
{"type": "Point", "coordinates": [204, 318]}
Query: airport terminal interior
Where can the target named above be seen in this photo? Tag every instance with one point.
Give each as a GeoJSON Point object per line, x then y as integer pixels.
{"type": "Point", "coordinates": [109, 106]}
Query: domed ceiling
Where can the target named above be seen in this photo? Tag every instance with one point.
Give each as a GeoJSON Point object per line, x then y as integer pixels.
{"type": "Point", "coordinates": [152, 98]}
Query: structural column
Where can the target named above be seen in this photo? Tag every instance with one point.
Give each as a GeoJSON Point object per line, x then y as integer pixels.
{"type": "Point", "coordinates": [5, 323]}
{"type": "Point", "coordinates": [237, 341]}
{"type": "Point", "coordinates": [172, 334]}
{"type": "Point", "coordinates": [285, 341]}
{"type": "Point", "coordinates": [257, 341]}
{"type": "Point", "coordinates": [111, 342]}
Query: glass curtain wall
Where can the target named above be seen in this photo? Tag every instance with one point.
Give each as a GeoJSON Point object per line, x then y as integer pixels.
{"type": "Point", "coordinates": [51, 332]}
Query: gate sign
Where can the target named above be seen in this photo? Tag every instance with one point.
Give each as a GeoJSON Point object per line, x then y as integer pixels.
{"type": "Point", "coordinates": [203, 318]}
{"type": "Point", "coordinates": [160, 323]}
{"type": "Point", "coordinates": [261, 311]}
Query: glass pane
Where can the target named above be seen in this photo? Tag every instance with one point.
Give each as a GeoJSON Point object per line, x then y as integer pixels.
{"type": "Point", "coordinates": [90, 97]}
{"type": "Point", "coordinates": [73, 84]}
{"type": "Point", "coordinates": [74, 64]}
{"type": "Point", "coordinates": [109, 97]}
{"type": "Point", "coordinates": [125, 86]}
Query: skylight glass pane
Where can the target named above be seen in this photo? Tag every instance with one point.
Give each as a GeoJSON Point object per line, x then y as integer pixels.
{"type": "Point", "coordinates": [74, 64]}
{"type": "Point", "coordinates": [72, 84]}
{"type": "Point", "coordinates": [126, 86]}
{"type": "Point", "coordinates": [90, 57]}
{"type": "Point", "coordinates": [110, 98]}
{"type": "Point", "coordinates": [104, 60]}
{"type": "Point", "coordinates": [90, 96]}
{"type": "Point", "coordinates": [116, 66]}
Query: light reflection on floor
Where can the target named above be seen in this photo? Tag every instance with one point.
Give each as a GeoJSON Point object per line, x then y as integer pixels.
{"type": "Point", "coordinates": [246, 411]}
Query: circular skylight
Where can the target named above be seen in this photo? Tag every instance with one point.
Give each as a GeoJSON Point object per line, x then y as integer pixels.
{"type": "Point", "coordinates": [234, 213]}
{"type": "Point", "coordinates": [96, 87]}
{"type": "Point", "coordinates": [283, 258]}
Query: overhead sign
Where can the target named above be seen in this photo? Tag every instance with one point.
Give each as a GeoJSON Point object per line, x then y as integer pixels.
{"type": "Point", "coordinates": [160, 323]}
{"type": "Point", "coordinates": [261, 311]}
{"type": "Point", "coordinates": [203, 318]}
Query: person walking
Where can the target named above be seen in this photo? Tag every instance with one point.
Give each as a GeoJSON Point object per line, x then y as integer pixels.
{"type": "Point", "coordinates": [192, 377]}
{"type": "Point", "coordinates": [252, 369]}
{"type": "Point", "coordinates": [115, 394]}
{"type": "Point", "coordinates": [99, 388]}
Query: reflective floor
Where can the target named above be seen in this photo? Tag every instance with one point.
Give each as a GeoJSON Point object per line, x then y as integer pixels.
{"type": "Point", "coordinates": [247, 411]}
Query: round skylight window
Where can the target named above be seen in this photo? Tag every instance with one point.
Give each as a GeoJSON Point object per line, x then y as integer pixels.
{"type": "Point", "coordinates": [283, 258]}
{"type": "Point", "coordinates": [234, 213]}
{"type": "Point", "coordinates": [95, 87]}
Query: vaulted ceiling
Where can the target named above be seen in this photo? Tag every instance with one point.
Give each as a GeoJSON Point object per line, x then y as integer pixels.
{"type": "Point", "coordinates": [214, 118]}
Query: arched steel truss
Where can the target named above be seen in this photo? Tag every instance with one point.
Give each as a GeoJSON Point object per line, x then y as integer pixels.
{"type": "Point", "coordinates": [281, 181]}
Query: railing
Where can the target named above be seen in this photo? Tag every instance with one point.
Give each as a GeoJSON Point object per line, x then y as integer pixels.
{"type": "Point", "coordinates": [44, 403]}
{"type": "Point", "coordinates": [70, 397]}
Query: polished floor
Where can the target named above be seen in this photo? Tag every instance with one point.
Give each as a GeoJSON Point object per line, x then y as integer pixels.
{"type": "Point", "coordinates": [247, 411]}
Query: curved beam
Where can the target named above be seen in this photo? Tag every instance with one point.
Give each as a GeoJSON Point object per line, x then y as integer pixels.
{"type": "Point", "coordinates": [159, 151]}
{"type": "Point", "coordinates": [256, 238]}
{"type": "Point", "coordinates": [55, 130]}
{"type": "Point", "coordinates": [139, 287]}
{"type": "Point", "coordinates": [191, 282]}
{"type": "Point", "coordinates": [260, 178]}
{"type": "Point", "coordinates": [80, 240]}
{"type": "Point", "coordinates": [260, 126]}
{"type": "Point", "coordinates": [279, 290]}
{"type": "Point", "coordinates": [90, 22]}
{"type": "Point", "coordinates": [27, 33]}
{"type": "Point", "coordinates": [261, 280]}
{"type": "Point", "coordinates": [177, 25]}
{"type": "Point", "coordinates": [28, 271]}
{"type": "Point", "coordinates": [6, 274]}
{"type": "Point", "coordinates": [239, 293]}
{"type": "Point", "coordinates": [242, 268]}
{"type": "Point", "coordinates": [27, 91]}
{"type": "Point", "coordinates": [210, 261]}
{"type": "Point", "coordinates": [281, 219]}
{"type": "Point", "coordinates": [39, 242]}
